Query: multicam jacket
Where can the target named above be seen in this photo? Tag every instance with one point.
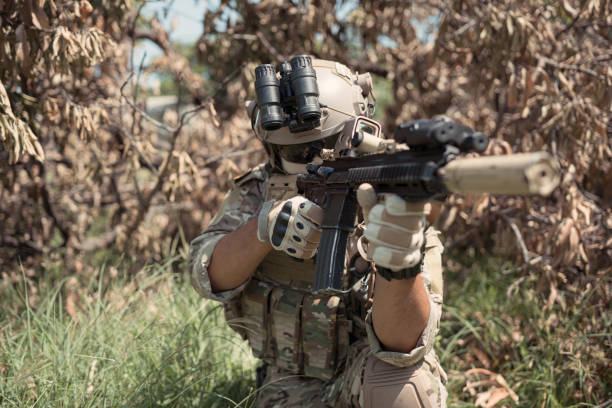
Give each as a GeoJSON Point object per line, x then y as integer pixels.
{"type": "Point", "coordinates": [286, 325]}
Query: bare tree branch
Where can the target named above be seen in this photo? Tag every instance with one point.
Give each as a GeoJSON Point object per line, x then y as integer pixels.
{"type": "Point", "coordinates": [562, 66]}
{"type": "Point", "coordinates": [519, 239]}
{"type": "Point", "coordinates": [233, 154]}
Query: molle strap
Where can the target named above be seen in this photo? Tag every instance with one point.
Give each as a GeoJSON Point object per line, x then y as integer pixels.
{"type": "Point", "coordinates": [284, 328]}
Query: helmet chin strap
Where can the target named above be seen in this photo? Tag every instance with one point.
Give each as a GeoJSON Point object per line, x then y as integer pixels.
{"type": "Point", "coordinates": [297, 168]}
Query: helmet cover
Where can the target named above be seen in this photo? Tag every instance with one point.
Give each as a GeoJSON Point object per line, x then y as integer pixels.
{"type": "Point", "coordinates": [343, 95]}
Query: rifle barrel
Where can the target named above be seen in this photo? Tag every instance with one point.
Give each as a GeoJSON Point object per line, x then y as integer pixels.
{"type": "Point", "coordinates": [522, 173]}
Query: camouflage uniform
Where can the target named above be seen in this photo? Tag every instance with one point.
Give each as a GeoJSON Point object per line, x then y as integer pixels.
{"type": "Point", "coordinates": [315, 348]}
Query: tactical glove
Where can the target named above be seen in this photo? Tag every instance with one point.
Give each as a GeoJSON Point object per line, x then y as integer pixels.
{"type": "Point", "coordinates": [291, 225]}
{"type": "Point", "coordinates": [394, 229]}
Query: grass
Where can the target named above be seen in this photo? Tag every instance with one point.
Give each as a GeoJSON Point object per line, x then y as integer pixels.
{"type": "Point", "coordinates": [150, 341]}
{"type": "Point", "coordinates": [552, 354]}
{"type": "Point", "coordinates": [147, 342]}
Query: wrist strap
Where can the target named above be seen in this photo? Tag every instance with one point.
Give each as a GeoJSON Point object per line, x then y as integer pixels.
{"type": "Point", "coordinates": [406, 273]}
{"type": "Point", "coordinates": [263, 234]}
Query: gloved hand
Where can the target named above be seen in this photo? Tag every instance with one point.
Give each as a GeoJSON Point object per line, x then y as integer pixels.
{"type": "Point", "coordinates": [291, 225]}
{"type": "Point", "coordinates": [394, 228]}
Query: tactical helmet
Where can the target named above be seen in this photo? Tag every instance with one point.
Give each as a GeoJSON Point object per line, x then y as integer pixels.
{"type": "Point", "coordinates": [342, 95]}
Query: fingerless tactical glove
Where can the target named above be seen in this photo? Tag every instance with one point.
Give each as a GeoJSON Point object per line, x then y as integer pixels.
{"type": "Point", "coordinates": [291, 225]}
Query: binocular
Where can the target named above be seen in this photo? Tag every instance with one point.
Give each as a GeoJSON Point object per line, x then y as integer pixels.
{"type": "Point", "coordinates": [291, 101]}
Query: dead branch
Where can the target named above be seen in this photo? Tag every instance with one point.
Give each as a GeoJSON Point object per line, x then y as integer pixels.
{"type": "Point", "coordinates": [175, 132]}
{"type": "Point", "coordinates": [519, 239]}
{"type": "Point", "coordinates": [559, 65]}
{"type": "Point", "coordinates": [232, 154]}
{"type": "Point", "coordinates": [123, 133]}
{"type": "Point", "coordinates": [264, 41]}
{"type": "Point", "coordinates": [48, 207]}
{"type": "Point", "coordinates": [28, 246]}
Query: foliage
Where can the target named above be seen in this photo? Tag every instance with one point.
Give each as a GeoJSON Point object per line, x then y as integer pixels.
{"type": "Point", "coordinates": [84, 169]}
{"type": "Point", "coordinates": [83, 166]}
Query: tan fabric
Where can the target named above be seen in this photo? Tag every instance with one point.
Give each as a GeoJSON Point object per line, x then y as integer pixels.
{"type": "Point", "coordinates": [385, 385]}
{"type": "Point", "coordinates": [280, 187]}
{"type": "Point", "coordinates": [274, 269]}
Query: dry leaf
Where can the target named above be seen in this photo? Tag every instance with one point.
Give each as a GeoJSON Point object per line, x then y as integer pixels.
{"type": "Point", "coordinates": [39, 18]}
{"type": "Point", "coordinates": [512, 92]}
{"type": "Point", "coordinates": [85, 9]}
{"type": "Point", "coordinates": [481, 356]}
{"type": "Point", "coordinates": [490, 390]}
{"type": "Point", "coordinates": [213, 114]}
{"type": "Point", "coordinates": [92, 373]}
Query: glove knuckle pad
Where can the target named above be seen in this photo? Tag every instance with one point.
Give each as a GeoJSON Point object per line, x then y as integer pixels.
{"type": "Point", "coordinates": [395, 204]}
{"type": "Point", "coordinates": [311, 211]}
{"type": "Point", "coordinates": [306, 229]}
{"type": "Point", "coordinates": [281, 224]}
{"type": "Point", "coordinates": [393, 237]}
{"type": "Point", "coordinates": [391, 258]}
{"type": "Point", "coordinates": [376, 213]}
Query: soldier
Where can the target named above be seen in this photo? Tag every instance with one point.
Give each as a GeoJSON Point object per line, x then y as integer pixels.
{"type": "Point", "coordinates": [370, 345]}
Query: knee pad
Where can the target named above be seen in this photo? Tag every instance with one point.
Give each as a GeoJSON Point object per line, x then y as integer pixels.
{"type": "Point", "coordinates": [388, 386]}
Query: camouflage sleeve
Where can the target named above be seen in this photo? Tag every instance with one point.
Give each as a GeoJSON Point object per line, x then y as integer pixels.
{"type": "Point", "coordinates": [239, 205]}
{"type": "Point", "coordinates": [432, 277]}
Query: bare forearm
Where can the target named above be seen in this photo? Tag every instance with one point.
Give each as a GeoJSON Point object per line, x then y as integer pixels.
{"type": "Point", "coordinates": [400, 312]}
{"type": "Point", "coordinates": [236, 257]}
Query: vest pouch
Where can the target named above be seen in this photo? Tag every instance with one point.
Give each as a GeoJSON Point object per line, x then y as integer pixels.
{"type": "Point", "coordinates": [278, 267]}
{"type": "Point", "coordinates": [320, 318]}
{"type": "Point", "coordinates": [254, 305]}
{"type": "Point", "coordinates": [285, 308]}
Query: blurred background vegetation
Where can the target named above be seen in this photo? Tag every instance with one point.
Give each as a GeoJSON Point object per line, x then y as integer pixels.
{"type": "Point", "coordinates": [121, 129]}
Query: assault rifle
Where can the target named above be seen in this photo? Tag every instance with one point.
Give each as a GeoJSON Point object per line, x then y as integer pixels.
{"type": "Point", "coordinates": [420, 163]}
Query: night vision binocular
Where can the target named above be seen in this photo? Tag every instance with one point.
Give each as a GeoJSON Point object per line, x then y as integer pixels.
{"type": "Point", "coordinates": [293, 100]}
